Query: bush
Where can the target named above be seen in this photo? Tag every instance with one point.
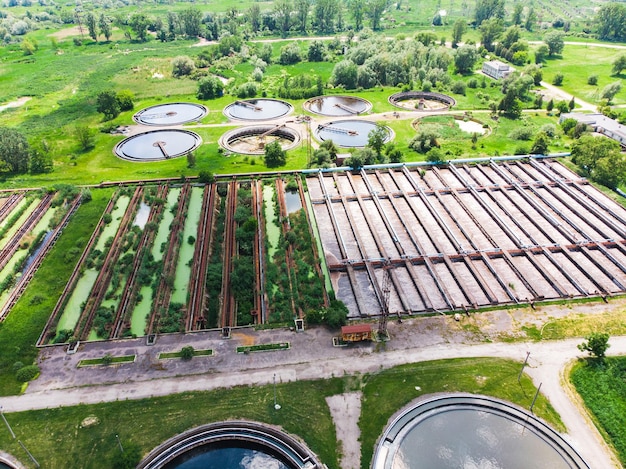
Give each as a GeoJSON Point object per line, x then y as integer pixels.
{"type": "Point", "coordinates": [458, 87]}
{"type": "Point", "coordinates": [472, 83]}
{"type": "Point", "coordinates": [187, 352]}
{"type": "Point", "coordinates": [182, 66]}
{"type": "Point", "coordinates": [592, 80]}
{"type": "Point", "coordinates": [558, 79]}
{"type": "Point", "coordinates": [247, 90]}
{"type": "Point", "coordinates": [210, 88]}
{"type": "Point", "coordinates": [27, 373]}
{"type": "Point", "coordinates": [290, 54]}
{"type": "Point", "coordinates": [521, 133]}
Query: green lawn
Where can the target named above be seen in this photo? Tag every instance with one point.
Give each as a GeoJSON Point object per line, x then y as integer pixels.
{"type": "Point", "coordinates": [603, 389]}
{"type": "Point", "coordinates": [57, 440]}
{"type": "Point", "coordinates": [575, 75]}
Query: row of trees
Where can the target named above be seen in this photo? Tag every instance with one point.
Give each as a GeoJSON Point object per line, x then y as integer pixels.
{"type": "Point", "coordinates": [18, 156]}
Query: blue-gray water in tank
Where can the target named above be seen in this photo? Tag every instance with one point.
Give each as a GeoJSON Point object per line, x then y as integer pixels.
{"type": "Point", "coordinates": [469, 438]}
{"type": "Point", "coordinates": [4, 466]}
{"type": "Point", "coordinates": [258, 109]}
{"type": "Point", "coordinates": [347, 133]}
{"type": "Point", "coordinates": [227, 457]}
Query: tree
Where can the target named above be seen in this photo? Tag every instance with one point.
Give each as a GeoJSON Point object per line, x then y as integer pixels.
{"type": "Point", "coordinates": [282, 13]}
{"type": "Point", "coordinates": [191, 159]}
{"type": "Point", "coordinates": [517, 14]}
{"type": "Point", "coordinates": [596, 344]}
{"type": "Point", "coordinates": [511, 36]}
{"type": "Point", "coordinates": [465, 58]}
{"type": "Point", "coordinates": [531, 19]}
{"type": "Point", "coordinates": [490, 31]}
{"type": "Point", "coordinates": [210, 88]}
{"type": "Point", "coordinates": [125, 99]}
{"type": "Point", "coordinates": [554, 41]}
{"type": "Point", "coordinates": [541, 53]}
{"type": "Point", "coordinates": [595, 155]}
{"type": "Point", "coordinates": [324, 15]}
{"type": "Point", "coordinates": [357, 9]}
{"type": "Point", "coordinates": [487, 9]}
{"type": "Point", "coordinates": [14, 151]}
{"type": "Point", "coordinates": [540, 145]}
{"type": "Point", "coordinates": [85, 137]}
{"type": "Point", "coordinates": [344, 74]}
{"type": "Point", "coordinates": [375, 13]}
{"type": "Point", "coordinates": [91, 26]}
{"type": "Point", "coordinates": [40, 159]}
{"type": "Point", "coordinates": [191, 21]}
{"type": "Point", "coordinates": [107, 104]}
{"type": "Point", "coordinates": [275, 156]}
{"type": "Point", "coordinates": [611, 22]}
{"type": "Point", "coordinates": [610, 90]}
{"type": "Point", "coordinates": [105, 27]}
{"type": "Point", "coordinates": [376, 140]}
{"type": "Point", "coordinates": [619, 64]}
{"type": "Point", "coordinates": [302, 14]}
{"type": "Point", "coordinates": [254, 17]}
{"type": "Point", "coordinates": [557, 80]}
{"type": "Point", "coordinates": [182, 66]}
{"type": "Point", "coordinates": [138, 23]}
{"type": "Point", "coordinates": [459, 28]}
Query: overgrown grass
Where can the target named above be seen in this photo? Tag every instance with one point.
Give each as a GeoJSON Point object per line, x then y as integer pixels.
{"type": "Point", "coordinates": [105, 361]}
{"type": "Point", "coordinates": [263, 347]}
{"type": "Point", "coordinates": [580, 325]}
{"type": "Point", "coordinates": [55, 436]}
{"type": "Point", "coordinates": [602, 385]}
{"type": "Point", "coordinates": [387, 392]}
{"type": "Point", "coordinates": [25, 322]}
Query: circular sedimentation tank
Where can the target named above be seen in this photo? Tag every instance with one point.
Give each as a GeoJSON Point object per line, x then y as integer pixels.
{"type": "Point", "coordinates": [348, 133]}
{"type": "Point", "coordinates": [253, 140]}
{"type": "Point", "coordinates": [337, 106]}
{"type": "Point", "coordinates": [425, 101]}
{"type": "Point", "coordinates": [257, 109]}
{"type": "Point", "coordinates": [232, 444]}
{"type": "Point", "coordinates": [170, 114]}
{"type": "Point", "coordinates": [465, 430]}
{"type": "Point", "coordinates": [157, 145]}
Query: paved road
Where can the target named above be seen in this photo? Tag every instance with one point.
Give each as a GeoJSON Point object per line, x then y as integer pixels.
{"type": "Point", "coordinates": [311, 357]}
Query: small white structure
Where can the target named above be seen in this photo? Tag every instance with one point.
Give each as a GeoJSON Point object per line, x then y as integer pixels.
{"type": "Point", "coordinates": [496, 69]}
{"type": "Point", "coordinates": [600, 124]}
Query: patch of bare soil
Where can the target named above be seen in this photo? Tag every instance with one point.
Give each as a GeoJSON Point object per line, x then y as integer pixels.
{"type": "Point", "coordinates": [346, 409]}
{"type": "Point", "coordinates": [17, 103]}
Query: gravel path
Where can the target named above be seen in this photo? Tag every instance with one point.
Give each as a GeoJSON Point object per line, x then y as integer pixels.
{"type": "Point", "coordinates": [346, 410]}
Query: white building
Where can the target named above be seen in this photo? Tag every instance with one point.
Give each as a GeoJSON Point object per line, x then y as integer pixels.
{"type": "Point", "coordinates": [600, 124]}
{"type": "Point", "coordinates": [496, 69]}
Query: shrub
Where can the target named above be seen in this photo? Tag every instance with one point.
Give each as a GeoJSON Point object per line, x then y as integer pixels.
{"type": "Point", "coordinates": [182, 66]}
{"type": "Point", "coordinates": [458, 87]}
{"type": "Point", "coordinates": [558, 79]}
{"type": "Point", "coordinates": [592, 80]}
{"type": "Point", "coordinates": [247, 90]}
{"type": "Point", "coordinates": [187, 352]}
{"type": "Point", "coordinates": [472, 83]}
{"type": "Point", "coordinates": [521, 133]}
{"type": "Point", "coordinates": [27, 373]}
{"type": "Point", "coordinates": [210, 88]}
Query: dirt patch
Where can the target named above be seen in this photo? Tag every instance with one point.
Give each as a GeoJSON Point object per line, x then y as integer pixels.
{"type": "Point", "coordinates": [245, 339]}
{"type": "Point", "coordinates": [68, 32]}
{"type": "Point", "coordinates": [346, 409]}
{"type": "Point", "coordinates": [17, 103]}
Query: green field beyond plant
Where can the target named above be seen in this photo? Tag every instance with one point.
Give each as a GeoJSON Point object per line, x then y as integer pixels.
{"type": "Point", "coordinates": [58, 438]}
{"type": "Point", "coordinates": [602, 385]}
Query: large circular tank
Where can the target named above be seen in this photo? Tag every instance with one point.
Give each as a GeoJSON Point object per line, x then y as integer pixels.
{"type": "Point", "coordinates": [257, 109]}
{"type": "Point", "coordinates": [422, 101]}
{"type": "Point", "coordinates": [252, 140]}
{"type": "Point", "coordinates": [228, 444]}
{"type": "Point", "coordinates": [348, 133]}
{"type": "Point", "coordinates": [170, 114]}
{"type": "Point", "coordinates": [337, 106]}
{"type": "Point", "coordinates": [157, 145]}
{"type": "Point", "coordinates": [465, 430]}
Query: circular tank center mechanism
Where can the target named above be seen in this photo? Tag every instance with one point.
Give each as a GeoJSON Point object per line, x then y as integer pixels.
{"type": "Point", "coordinates": [348, 133]}
{"type": "Point", "coordinates": [337, 106]}
{"type": "Point", "coordinates": [157, 145]}
{"type": "Point", "coordinates": [257, 109]}
{"type": "Point", "coordinates": [253, 140]}
{"type": "Point", "coordinates": [170, 114]}
{"type": "Point", "coordinates": [422, 101]}
{"type": "Point", "coordinates": [465, 430]}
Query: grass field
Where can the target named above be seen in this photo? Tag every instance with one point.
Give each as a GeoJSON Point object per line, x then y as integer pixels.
{"type": "Point", "coordinates": [57, 440]}
{"type": "Point", "coordinates": [602, 386]}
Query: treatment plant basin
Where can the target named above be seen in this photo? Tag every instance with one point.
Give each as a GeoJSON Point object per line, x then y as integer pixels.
{"type": "Point", "coordinates": [337, 106]}
{"type": "Point", "coordinates": [252, 140]}
{"type": "Point", "coordinates": [157, 145]}
{"type": "Point", "coordinates": [257, 109]}
{"type": "Point", "coordinates": [422, 101]}
{"type": "Point", "coordinates": [170, 114]}
{"type": "Point", "coordinates": [465, 430]}
{"type": "Point", "coordinates": [232, 444]}
{"type": "Point", "coordinates": [348, 133]}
